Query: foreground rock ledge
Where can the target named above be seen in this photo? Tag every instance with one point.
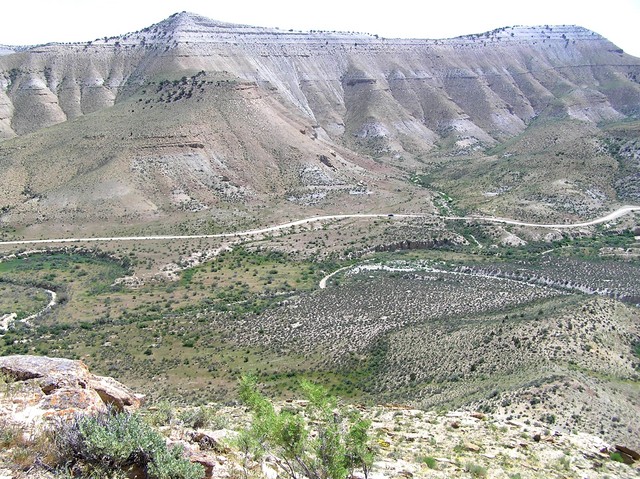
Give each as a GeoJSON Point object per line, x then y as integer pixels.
{"type": "Point", "coordinates": [42, 388]}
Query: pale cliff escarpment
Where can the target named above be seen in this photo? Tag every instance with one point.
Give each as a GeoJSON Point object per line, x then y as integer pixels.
{"type": "Point", "coordinates": [192, 115]}
{"type": "Point", "coordinates": [487, 85]}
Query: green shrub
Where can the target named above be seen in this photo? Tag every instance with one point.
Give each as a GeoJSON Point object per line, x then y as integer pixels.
{"type": "Point", "coordinates": [198, 418]}
{"type": "Point", "coordinates": [160, 414]}
{"type": "Point", "coordinates": [548, 418]}
{"type": "Point", "coordinates": [430, 462]}
{"type": "Point", "coordinates": [109, 445]}
{"type": "Point", "coordinates": [321, 442]}
{"type": "Point", "coordinates": [25, 450]}
{"type": "Point", "coordinates": [565, 463]}
{"type": "Point", "coordinates": [9, 435]}
{"type": "Point", "coordinates": [476, 470]}
{"type": "Point", "coordinates": [616, 456]}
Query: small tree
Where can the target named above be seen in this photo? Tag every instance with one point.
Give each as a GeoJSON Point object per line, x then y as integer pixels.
{"type": "Point", "coordinates": [321, 442]}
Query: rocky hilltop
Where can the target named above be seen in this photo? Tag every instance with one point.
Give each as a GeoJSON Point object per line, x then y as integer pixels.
{"type": "Point", "coordinates": [55, 387]}
{"type": "Point", "coordinates": [406, 442]}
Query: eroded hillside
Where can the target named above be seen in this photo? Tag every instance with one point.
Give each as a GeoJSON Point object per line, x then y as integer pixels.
{"type": "Point", "coordinates": [488, 86]}
{"type": "Point", "coordinates": [192, 118]}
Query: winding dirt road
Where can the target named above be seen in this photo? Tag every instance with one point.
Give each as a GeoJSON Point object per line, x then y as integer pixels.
{"type": "Point", "coordinates": [5, 320]}
{"type": "Point", "coordinates": [611, 216]}
{"type": "Point", "coordinates": [237, 234]}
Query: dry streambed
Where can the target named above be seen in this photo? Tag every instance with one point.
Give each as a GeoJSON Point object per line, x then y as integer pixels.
{"type": "Point", "coordinates": [23, 303]}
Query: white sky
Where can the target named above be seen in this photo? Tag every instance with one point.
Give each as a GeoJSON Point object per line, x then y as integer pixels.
{"type": "Point", "coordinates": [29, 22]}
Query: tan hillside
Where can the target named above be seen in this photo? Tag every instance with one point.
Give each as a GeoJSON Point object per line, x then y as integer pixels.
{"type": "Point", "coordinates": [444, 234]}
{"type": "Point", "coordinates": [191, 114]}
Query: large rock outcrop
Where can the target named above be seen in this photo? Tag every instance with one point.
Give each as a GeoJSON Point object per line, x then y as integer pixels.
{"type": "Point", "coordinates": [40, 388]}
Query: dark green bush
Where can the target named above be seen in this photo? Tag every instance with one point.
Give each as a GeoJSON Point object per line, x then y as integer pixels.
{"type": "Point", "coordinates": [616, 456]}
{"type": "Point", "coordinates": [430, 462]}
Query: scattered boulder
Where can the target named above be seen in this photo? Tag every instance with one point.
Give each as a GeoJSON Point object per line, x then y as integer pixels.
{"type": "Point", "coordinates": [214, 440]}
{"type": "Point", "coordinates": [469, 446]}
{"type": "Point", "coordinates": [630, 452]}
{"type": "Point", "coordinates": [114, 393]}
{"type": "Point", "coordinates": [269, 471]}
{"type": "Point", "coordinates": [22, 368]}
{"type": "Point", "coordinates": [205, 460]}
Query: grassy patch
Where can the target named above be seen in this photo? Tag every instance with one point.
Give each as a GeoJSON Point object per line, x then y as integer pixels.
{"type": "Point", "coordinates": [22, 300]}
{"type": "Point", "coordinates": [475, 470]}
{"type": "Point", "coordinates": [430, 461]}
{"type": "Point", "coordinates": [255, 271]}
{"type": "Point", "coordinates": [89, 273]}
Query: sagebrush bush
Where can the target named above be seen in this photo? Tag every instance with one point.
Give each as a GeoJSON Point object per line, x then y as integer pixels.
{"type": "Point", "coordinates": [198, 418]}
{"type": "Point", "coordinates": [476, 470]}
{"type": "Point", "coordinates": [431, 462]}
{"type": "Point", "coordinates": [9, 435]}
{"type": "Point", "coordinates": [161, 414]}
{"type": "Point", "coordinates": [108, 445]}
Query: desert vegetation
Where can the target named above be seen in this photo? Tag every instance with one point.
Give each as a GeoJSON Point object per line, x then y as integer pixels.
{"type": "Point", "coordinates": [512, 335]}
{"type": "Point", "coordinates": [121, 444]}
{"type": "Point", "coordinates": [438, 322]}
{"type": "Point", "coordinates": [320, 442]}
{"type": "Point", "coordinates": [265, 437]}
{"type": "Point", "coordinates": [24, 301]}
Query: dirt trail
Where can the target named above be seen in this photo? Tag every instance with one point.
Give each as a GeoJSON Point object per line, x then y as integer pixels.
{"type": "Point", "coordinates": [611, 216]}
